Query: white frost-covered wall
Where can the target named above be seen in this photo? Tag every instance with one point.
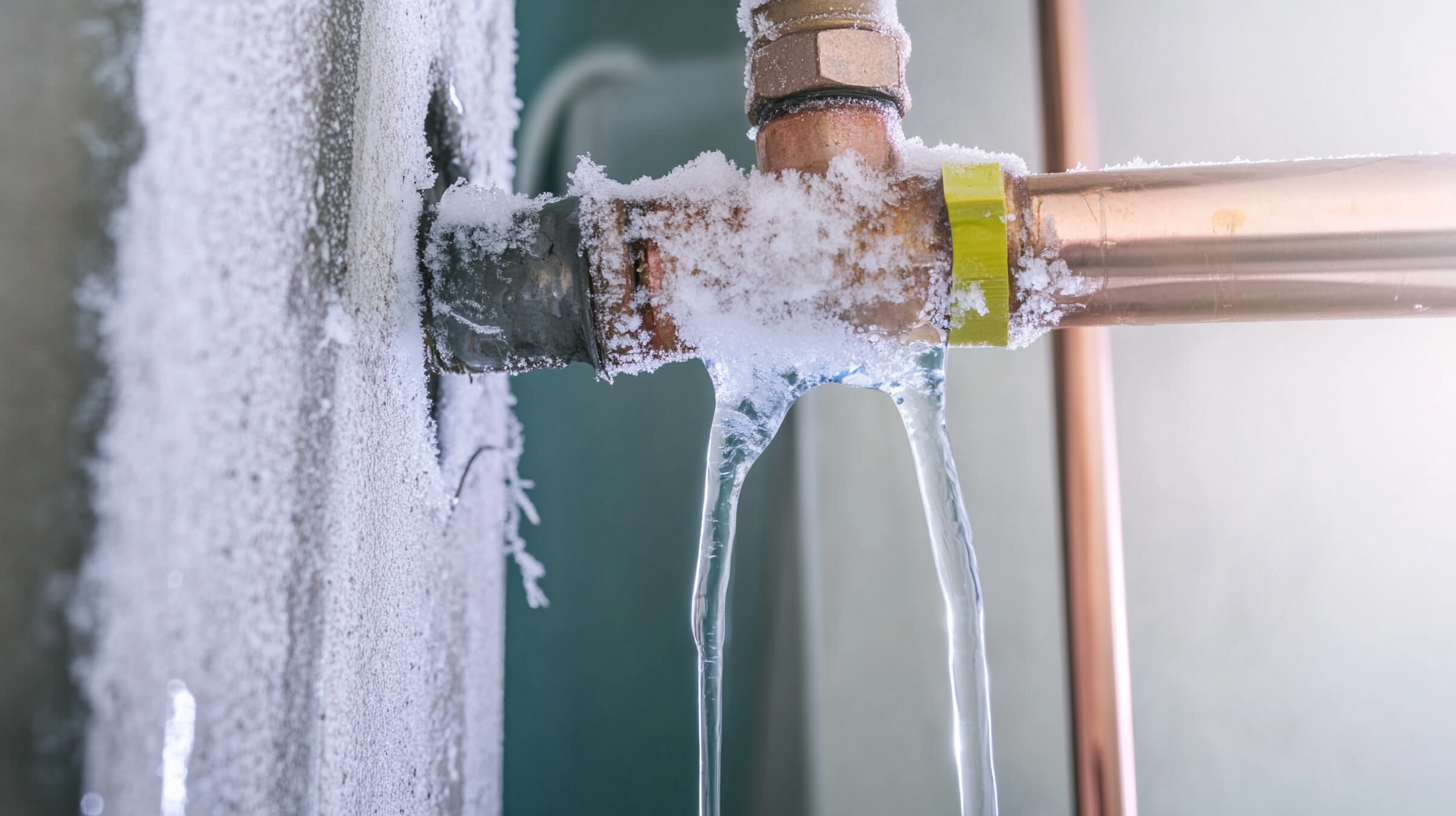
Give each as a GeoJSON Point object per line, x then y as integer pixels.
{"type": "Point", "coordinates": [277, 545]}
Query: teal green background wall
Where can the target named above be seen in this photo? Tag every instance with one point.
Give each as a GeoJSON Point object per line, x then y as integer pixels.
{"type": "Point", "coordinates": [600, 687]}
{"type": "Point", "coordinates": [553, 30]}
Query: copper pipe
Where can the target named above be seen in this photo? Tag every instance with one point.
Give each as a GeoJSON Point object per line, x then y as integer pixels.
{"type": "Point", "coordinates": [1096, 595]}
{"type": "Point", "coordinates": [1334, 238]}
{"type": "Point", "coordinates": [825, 78]}
{"type": "Point", "coordinates": [1086, 428]}
{"type": "Point", "coordinates": [1069, 118]}
{"type": "Point", "coordinates": [807, 139]}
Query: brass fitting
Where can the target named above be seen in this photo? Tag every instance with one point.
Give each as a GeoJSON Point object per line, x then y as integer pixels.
{"type": "Point", "coordinates": [844, 61]}
{"type": "Point", "coordinates": [806, 49]}
{"type": "Point", "coordinates": [807, 139]}
{"type": "Point", "coordinates": [629, 277]}
{"type": "Point", "coordinates": [826, 77]}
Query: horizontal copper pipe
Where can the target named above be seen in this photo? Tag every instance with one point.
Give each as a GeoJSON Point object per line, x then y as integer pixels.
{"type": "Point", "coordinates": [1336, 238]}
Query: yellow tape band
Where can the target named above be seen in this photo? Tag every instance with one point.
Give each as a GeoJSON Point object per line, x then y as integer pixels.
{"type": "Point", "coordinates": [980, 288]}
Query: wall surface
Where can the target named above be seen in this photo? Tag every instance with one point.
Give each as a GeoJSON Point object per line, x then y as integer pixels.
{"type": "Point", "coordinates": [293, 598]}
{"type": "Point", "coordinates": [1288, 489]}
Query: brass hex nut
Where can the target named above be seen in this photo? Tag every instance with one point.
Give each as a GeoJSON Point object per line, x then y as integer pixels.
{"type": "Point", "coordinates": [853, 59]}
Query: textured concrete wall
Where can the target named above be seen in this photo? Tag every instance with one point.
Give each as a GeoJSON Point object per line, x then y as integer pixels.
{"type": "Point", "coordinates": [291, 565]}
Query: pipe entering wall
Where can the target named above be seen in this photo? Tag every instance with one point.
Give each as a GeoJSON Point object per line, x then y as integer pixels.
{"type": "Point", "coordinates": [1320, 239]}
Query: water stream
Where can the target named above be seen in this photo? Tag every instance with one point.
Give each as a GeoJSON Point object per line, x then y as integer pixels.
{"type": "Point", "coordinates": [779, 283]}
{"type": "Point", "coordinates": [750, 407]}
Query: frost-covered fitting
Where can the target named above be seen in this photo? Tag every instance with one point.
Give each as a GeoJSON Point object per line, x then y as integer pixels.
{"type": "Point", "coordinates": [709, 256]}
{"type": "Point", "coordinates": [708, 259]}
{"type": "Point", "coordinates": [508, 288]}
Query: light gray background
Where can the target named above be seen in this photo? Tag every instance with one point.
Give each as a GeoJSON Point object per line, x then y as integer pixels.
{"type": "Point", "coordinates": [1289, 490]}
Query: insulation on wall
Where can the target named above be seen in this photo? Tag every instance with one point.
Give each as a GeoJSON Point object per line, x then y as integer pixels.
{"type": "Point", "coordinates": [295, 595]}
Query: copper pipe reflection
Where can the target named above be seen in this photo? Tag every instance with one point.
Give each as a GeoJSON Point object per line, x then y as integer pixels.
{"type": "Point", "coordinates": [1091, 504]}
{"type": "Point", "coordinates": [1335, 238]}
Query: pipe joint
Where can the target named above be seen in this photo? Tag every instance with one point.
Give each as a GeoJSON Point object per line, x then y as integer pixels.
{"type": "Point", "coordinates": [826, 77]}
{"type": "Point", "coordinates": [854, 63]}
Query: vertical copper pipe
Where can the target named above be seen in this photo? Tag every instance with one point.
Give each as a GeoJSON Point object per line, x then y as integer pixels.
{"type": "Point", "coordinates": [1086, 428]}
{"type": "Point", "coordinates": [1069, 119]}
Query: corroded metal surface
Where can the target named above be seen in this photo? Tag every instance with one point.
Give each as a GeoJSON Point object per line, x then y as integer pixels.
{"type": "Point", "coordinates": [631, 278]}
{"type": "Point", "coordinates": [523, 309]}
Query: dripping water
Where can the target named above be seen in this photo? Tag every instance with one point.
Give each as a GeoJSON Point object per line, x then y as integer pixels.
{"type": "Point", "coordinates": [745, 420]}
{"type": "Point", "coordinates": [920, 399]}
{"type": "Point", "coordinates": [750, 406]}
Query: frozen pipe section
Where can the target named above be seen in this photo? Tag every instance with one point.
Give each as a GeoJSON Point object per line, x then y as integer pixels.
{"type": "Point", "coordinates": [509, 305]}
{"type": "Point", "coordinates": [538, 288]}
{"type": "Point", "coordinates": [534, 284]}
{"type": "Point", "coordinates": [1331, 238]}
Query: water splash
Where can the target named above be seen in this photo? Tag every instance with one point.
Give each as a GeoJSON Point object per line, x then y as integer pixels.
{"type": "Point", "coordinates": [750, 406]}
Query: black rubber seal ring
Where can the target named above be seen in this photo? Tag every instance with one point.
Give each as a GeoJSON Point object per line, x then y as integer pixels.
{"type": "Point", "coordinates": [771, 109]}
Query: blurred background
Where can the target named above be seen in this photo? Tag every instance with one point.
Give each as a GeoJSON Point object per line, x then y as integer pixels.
{"type": "Point", "coordinates": [1289, 490]}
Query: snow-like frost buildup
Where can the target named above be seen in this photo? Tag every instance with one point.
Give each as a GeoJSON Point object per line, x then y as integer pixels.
{"type": "Point", "coordinates": [1043, 281]}
{"type": "Point", "coordinates": [487, 220]}
{"type": "Point", "coordinates": [768, 254]}
{"type": "Point", "coordinates": [294, 600]}
{"type": "Point", "coordinates": [772, 269]}
{"type": "Point", "coordinates": [968, 300]}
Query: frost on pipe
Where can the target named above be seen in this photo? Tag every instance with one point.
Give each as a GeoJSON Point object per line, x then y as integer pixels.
{"type": "Point", "coordinates": [709, 262]}
{"type": "Point", "coordinates": [703, 259]}
{"type": "Point", "coordinates": [676, 265]}
{"type": "Point", "coordinates": [779, 283]}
